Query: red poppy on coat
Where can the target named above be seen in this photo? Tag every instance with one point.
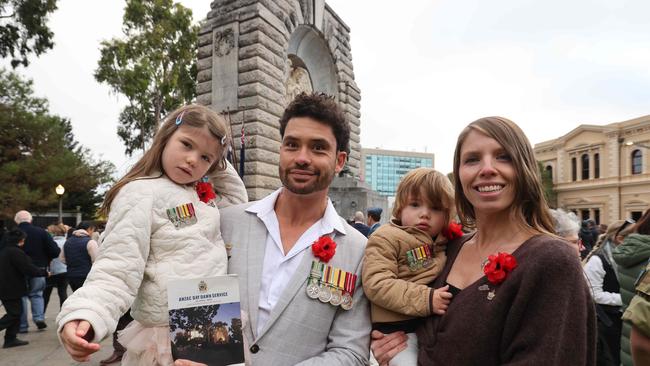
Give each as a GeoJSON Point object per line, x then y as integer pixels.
{"type": "Point", "coordinates": [205, 191]}
{"type": "Point", "coordinates": [324, 248]}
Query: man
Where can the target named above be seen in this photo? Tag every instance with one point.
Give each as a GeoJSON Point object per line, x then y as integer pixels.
{"type": "Point", "coordinates": [15, 265]}
{"type": "Point", "coordinates": [374, 216]}
{"type": "Point", "coordinates": [272, 250]}
{"type": "Point", "coordinates": [41, 248]}
{"type": "Point", "coordinates": [359, 225]}
{"type": "Point", "coordinates": [638, 314]}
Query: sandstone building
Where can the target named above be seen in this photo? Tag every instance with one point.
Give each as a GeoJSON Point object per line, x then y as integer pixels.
{"type": "Point", "coordinates": [601, 172]}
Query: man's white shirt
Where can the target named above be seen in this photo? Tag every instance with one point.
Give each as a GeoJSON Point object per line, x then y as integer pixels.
{"type": "Point", "coordinates": [278, 268]}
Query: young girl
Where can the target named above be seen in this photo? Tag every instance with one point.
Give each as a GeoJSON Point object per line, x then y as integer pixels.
{"type": "Point", "coordinates": [157, 228]}
{"type": "Point", "coordinates": [404, 256]}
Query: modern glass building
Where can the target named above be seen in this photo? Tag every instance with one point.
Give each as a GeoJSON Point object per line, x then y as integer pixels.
{"type": "Point", "coordinates": [383, 169]}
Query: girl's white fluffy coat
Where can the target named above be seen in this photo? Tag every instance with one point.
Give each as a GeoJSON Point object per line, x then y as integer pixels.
{"type": "Point", "coordinates": [141, 249]}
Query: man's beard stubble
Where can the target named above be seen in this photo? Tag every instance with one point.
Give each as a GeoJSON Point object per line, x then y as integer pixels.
{"type": "Point", "coordinates": [323, 180]}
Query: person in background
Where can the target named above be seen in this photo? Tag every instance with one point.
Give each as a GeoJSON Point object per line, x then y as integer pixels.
{"type": "Point", "coordinates": [58, 269]}
{"type": "Point", "coordinates": [638, 315]}
{"type": "Point", "coordinates": [374, 216]}
{"type": "Point", "coordinates": [631, 257]}
{"type": "Point", "coordinates": [80, 251]}
{"type": "Point", "coordinates": [587, 237]}
{"type": "Point", "coordinates": [41, 248]}
{"type": "Point", "coordinates": [15, 266]}
{"type": "Point", "coordinates": [359, 225]}
{"type": "Point", "coordinates": [567, 226]}
{"type": "Point", "coordinates": [602, 277]}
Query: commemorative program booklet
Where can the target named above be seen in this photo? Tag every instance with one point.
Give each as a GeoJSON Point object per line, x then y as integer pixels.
{"type": "Point", "coordinates": [205, 320]}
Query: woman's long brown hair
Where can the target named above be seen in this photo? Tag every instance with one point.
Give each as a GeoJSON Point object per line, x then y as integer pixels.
{"type": "Point", "coordinates": [529, 204]}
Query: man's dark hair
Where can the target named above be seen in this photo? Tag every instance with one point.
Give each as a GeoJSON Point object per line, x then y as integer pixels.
{"type": "Point", "coordinates": [323, 109]}
{"type": "Point", "coordinates": [13, 237]}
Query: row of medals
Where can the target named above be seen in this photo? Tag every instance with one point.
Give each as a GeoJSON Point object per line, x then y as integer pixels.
{"type": "Point", "coordinates": [182, 215]}
{"type": "Point", "coordinates": [417, 262]}
{"type": "Point", "coordinates": [327, 294]}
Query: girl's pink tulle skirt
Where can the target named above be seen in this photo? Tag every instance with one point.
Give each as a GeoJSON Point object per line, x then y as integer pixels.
{"type": "Point", "coordinates": [146, 346]}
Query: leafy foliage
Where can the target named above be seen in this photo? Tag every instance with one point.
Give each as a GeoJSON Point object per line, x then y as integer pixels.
{"type": "Point", "coordinates": [547, 185]}
{"type": "Point", "coordinates": [38, 152]}
{"type": "Point", "coordinates": [23, 29]}
{"type": "Point", "coordinates": [153, 66]}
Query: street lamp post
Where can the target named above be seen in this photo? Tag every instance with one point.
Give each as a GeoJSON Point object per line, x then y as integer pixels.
{"type": "Point", "coordinates": [60, 190]}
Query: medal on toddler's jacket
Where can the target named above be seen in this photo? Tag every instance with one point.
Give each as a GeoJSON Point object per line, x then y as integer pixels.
{"type": "Point", "coordinates": [182, 215]}
{"type": "Point", "coordinates": [420, 257]}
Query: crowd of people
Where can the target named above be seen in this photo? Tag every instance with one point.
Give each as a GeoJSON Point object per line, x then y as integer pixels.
{"type": "Point", "coordinates": [474, 271]}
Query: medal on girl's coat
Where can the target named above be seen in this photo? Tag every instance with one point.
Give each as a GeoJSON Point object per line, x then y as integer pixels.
{"type": "Point", "coordinates": [182, 215]}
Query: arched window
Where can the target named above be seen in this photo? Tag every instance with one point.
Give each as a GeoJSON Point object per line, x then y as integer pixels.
{"type": "Point", "coordinates": [596, 166]}
{"type": "Point", "coordinates": [574, 169]}
{"type": "Point", "coordinates": [549, 169]}
{"type": "Point", "coordinates": [585, 166]}
{"type": "Point", "coordinates": [637, 162]}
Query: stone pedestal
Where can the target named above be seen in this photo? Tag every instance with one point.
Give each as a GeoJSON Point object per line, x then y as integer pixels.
{"type": "Point", "coordinates": [350, 195]}
{"type": "Point", "coordinates": [254, 56]}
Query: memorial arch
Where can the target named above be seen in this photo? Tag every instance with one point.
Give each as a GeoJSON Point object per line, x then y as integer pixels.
{"type": "Point", "coordinates": [255, 56]}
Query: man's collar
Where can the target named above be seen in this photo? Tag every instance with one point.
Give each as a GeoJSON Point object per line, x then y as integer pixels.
{"type": "Point", "coordinates": [266, 206]}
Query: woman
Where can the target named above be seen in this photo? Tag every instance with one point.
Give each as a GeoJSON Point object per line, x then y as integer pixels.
{"type": "Point", "coordinates": [602, 277]}
{"type": "Point", "coordinates": [80, 252]}
{"type": "Point", "coordinates": [631, 258]}
{"type": "Point", "coordinates": [566, 226]}
{"type": "Point", "coordinates": [517, 307]}
{"type": "Point", "coordinates": [58, 269]}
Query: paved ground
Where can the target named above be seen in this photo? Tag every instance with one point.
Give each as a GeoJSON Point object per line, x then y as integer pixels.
{"type": "Point", "coordinates": [44, 347]}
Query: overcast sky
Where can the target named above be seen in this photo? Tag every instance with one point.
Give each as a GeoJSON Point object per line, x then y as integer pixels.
{"type": "Point", "coordinates": [425, 69]}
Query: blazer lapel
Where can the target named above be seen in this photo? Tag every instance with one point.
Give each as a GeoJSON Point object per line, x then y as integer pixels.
{"type": "Point", "coordinates": [297, 280]}
{"type": "Point", "coordinates": [255, 260]}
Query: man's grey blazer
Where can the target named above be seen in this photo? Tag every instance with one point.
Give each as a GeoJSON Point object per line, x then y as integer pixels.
{"type": "Point", "coordinates": [300, 330]}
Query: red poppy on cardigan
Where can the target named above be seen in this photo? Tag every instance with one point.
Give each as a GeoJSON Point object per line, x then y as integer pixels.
{"type": "Point", "coordinates": [498, 267]}
{"type": "Point", "coordinates": [324, 248]}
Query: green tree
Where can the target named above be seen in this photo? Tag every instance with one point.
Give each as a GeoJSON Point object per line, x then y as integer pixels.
{"type": "Point", "coordinates": [547, 185]}
{"type": "Point", "coordinates": [153, 66]}
{"type": "Point", "coordinates": [23, 29]}
{"type": "Point", "coordinates": [38, 151]}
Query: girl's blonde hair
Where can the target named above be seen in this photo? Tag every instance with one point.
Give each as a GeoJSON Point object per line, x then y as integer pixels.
{"type": "Point", "coordinates": [529, 204]}
{"type": "Point", "coordinates": [193, 115]}
{"type": "Point", "coordinates": [428, 185]}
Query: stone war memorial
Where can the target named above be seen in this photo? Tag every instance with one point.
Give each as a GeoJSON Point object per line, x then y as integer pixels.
{"type": "Point", "coordinates": [254, 58]}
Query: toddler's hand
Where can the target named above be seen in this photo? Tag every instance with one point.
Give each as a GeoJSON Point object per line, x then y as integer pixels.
{"type": "Point", "coordinates": [74, 337]}
{"type": "Point", "coordinates": [441, 299]}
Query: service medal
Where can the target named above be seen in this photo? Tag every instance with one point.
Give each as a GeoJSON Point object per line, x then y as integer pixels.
{"type": "Point", "coordinates": [312, 290]}
{"type": "Point", "coordinates": [324, 294]}
{"type": "Point", "coordinates": [336, 299]}
{"type": "Point", "coordinates": [347, 302]}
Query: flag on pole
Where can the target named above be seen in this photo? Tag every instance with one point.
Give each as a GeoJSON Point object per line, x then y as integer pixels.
{"type": "Point", "coordinates": [242, 151]}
